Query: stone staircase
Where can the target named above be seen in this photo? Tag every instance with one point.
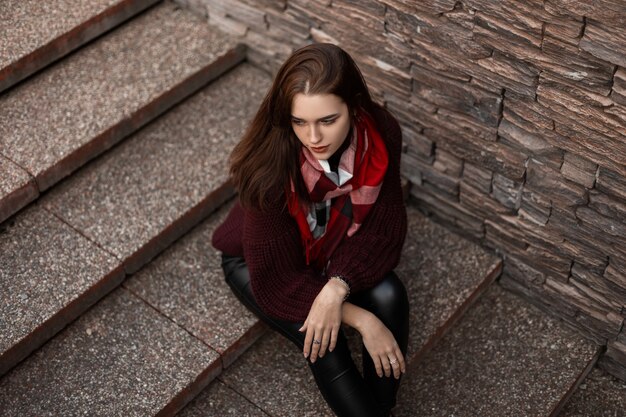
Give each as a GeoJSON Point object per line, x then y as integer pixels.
{"type": "Point", "coordinates": [115, 125]}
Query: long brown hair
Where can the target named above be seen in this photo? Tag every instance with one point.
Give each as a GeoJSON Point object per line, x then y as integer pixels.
{"type": "Point", "coordinates": [267, 157]}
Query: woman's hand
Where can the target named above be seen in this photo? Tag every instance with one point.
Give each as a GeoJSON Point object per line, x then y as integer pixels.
{"type": "Point", "coordinates": [382, 347]}
{"type": "Point", "coordinates": [324, 320]}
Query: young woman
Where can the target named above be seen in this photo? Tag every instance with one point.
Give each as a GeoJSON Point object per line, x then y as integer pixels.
{"type": "Point", "coordinates": [319, 226]}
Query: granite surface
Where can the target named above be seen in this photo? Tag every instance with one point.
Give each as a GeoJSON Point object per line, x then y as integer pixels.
{"type": "Point", "coordinates": [599, 395]}
{"type": "Point", "coordinates": [219, 400]}
{"type": "Point", "coordinates": [16, 188]}
{"type": "Point", "coordinates": [442, 273]}
{"type": "Point", "coordinates": [45, 266]}
{"type": "Point", "coordinates": [27, 25]}
{"type": "Point", "coordinates": [275, 376]}
{"type": "Point", "coordinates": [133, 194]}
{"type": "Point", "coordinates": [47, 121]}
{"type": "Point", "coordinates": [504, 358]}
{"type": "Point", "coordinates": [34, 34]}
{"type": "Point", "coordinates": [186, 284]}
{"type": "Point", "coordinates": [121, 358]}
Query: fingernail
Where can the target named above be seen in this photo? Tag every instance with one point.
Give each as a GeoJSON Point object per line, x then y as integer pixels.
{"type": "Point", "coordinates": [306, 355]}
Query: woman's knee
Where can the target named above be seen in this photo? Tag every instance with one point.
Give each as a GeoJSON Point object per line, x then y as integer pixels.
{"type": "Point", "coordinates": [390, 294]}
{"type": "Point", "coordinates": [236, 272]}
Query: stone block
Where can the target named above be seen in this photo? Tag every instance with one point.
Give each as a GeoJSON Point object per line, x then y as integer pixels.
{"type": "Point", "coordinates": [618, 93]}
{"type": "Point", "coordinates": [284, 25]}
{"type": "Point", "coordinates": [612, 183]}
{"type": "Point", "coordinates": [526, 114]}
{"type": "Point", "coordinates": [251, 16]}
{"type": "Point", "coordinates": [573, 66]}
{"type": "Point", "coordinates": [452, 213]}
{"type": "Point", "coordinates": [535, 206]}
{"type": "Point", "coordinates": [544, 179]}
{"type": "Point", "coordinates": [607, 206]}
{"type": "Point", "coordinates": [439, 182]}
{"type": "Point", "coordinates": [506, 191]}
{"type": "Point", "coordinates": [579, 169]}
{"type": "Point", "coordinates": [412, 7]}
{"type": "Point", "coordinates": [613, 230]}
{"type": "Point", "coordinates": [522, 272]}
{"type": "Point", "coordinates": [587, 253]}
{"type": "Point", "coordinates": [477, 177]}
{"type": "Point", "coordinates": [529, 142]}
{"type": "Point", "coordinates": [561, 26]}
{"type": "Point", "coordinates": [419, 145]}
{"type": "Point", "coordinates": [507, 72]}
{"type": "Point", "coordinates": [504, 23]}
{"type": "Point", "coordinates": [480, 203]}
{"type": "Point", "coordinates": [601, 10]}
{"type": "Point", "coordinates": [314, 13]}
{"type": "Point", "coordinates": [411, 168]}
{"type": "Point", "coordinates": [448, 163]}
{"type": "Point", "coordinates": [609, 294]}
{"type": "Point", "coordinates": [494, 156]}
{"type": "Point", "coordinates": [605, 41]}
{"type": "Point", "coordinates": [456, 96]}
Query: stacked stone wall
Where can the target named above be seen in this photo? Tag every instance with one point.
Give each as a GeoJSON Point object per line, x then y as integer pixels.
{"type": "Point", "coordinates": [514, 122]}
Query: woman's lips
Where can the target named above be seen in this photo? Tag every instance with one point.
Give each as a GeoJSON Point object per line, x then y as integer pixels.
{"type": "Point", "coordinates": [320, 149]}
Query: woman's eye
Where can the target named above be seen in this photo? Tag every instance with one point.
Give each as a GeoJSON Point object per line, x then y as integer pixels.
{"type": "Point", "coordinates": [328, 122]}
{"type": "Point", "coordinates": [297, 122]}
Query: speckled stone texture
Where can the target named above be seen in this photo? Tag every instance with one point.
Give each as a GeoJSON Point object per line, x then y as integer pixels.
{"type": "Point", "coordinates": [443, 274]}
{"type": "Point", "coordinates": [148, 191]}
{"type": "Point", "coordinates": [219, 400]}
{"type": "Point", "coordinates": [504, 358]}
{"type": "Point", "coordinates": [275, 376]}
{"type": "Point", "coordinates": [49, 274]}
{"type": "Point", "coordinates": [122, 358]}
{"type": "Point", "coordinates": [16, 188]}
{"type": "Point", "coordinates": [34, 33]}
{"type": "Point", "coordinates": [186, 284]}
{"type": "Point", "coordinates": [599, 395]}
{"type": "Point", "coordinates": [76, 109]}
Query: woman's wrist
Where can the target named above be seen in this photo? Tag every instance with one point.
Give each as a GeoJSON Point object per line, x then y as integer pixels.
{"type": "Point", "coordinates": [341, 286]}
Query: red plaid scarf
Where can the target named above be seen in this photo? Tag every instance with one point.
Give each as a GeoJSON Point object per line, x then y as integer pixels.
{"type": "Point", "coordinates": [366, 161]}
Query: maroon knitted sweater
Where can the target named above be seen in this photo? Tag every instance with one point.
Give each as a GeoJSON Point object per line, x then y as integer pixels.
{"type": "Point", "coordinates": [283, 285]}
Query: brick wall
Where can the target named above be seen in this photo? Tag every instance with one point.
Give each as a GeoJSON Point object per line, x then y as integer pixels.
{"type": "Point", "coordinates": [514, 119]}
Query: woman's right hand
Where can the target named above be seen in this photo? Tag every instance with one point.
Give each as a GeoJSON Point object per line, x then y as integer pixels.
{"type": "Point", "coordinates": [382, 347]}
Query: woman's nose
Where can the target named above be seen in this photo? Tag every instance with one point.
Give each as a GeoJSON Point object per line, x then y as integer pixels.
{"type": "Point", "coordinates": [314, 134]}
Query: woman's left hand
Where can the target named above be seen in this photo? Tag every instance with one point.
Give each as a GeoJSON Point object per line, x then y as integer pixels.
{"type": "Point", "coordinates": [324, 320]}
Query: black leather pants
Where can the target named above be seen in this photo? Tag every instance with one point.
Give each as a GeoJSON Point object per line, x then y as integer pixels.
{"type": "Point", "coordinates": [347, 392]}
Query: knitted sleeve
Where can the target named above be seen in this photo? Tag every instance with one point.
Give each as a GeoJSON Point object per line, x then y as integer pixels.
{"type": "Point", "coordinates": [283, 285]}
{"type": "Point", "coordinates": [364, 258]}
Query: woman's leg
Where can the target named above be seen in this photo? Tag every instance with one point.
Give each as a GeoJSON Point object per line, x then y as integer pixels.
{"type": "Point", "coordinates": [336, 375]}
{"type": "Point", "coordinates": [389, 302]}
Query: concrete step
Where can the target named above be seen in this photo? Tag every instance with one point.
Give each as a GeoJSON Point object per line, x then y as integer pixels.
{"type": "Point", "coordinates": [505, 358]}
{"type": "Point", "coordinates": [121, 358]}
{"type": "Point", "coordinates": [35, 33]}
{"type": "Point", "coordinates": [444, 274]}
{"type": "Point", "coordinates": [122, 210]}
{"type": "Point", "coordinates": [599, 395]}
{"type": "Point", "coordinates": [147, 348]}
{"type": "Point", "coordinates": [50, 126]}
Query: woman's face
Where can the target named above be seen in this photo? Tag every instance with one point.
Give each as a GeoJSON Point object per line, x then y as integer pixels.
{"type": "Point", "coordinates": [321, 122]}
